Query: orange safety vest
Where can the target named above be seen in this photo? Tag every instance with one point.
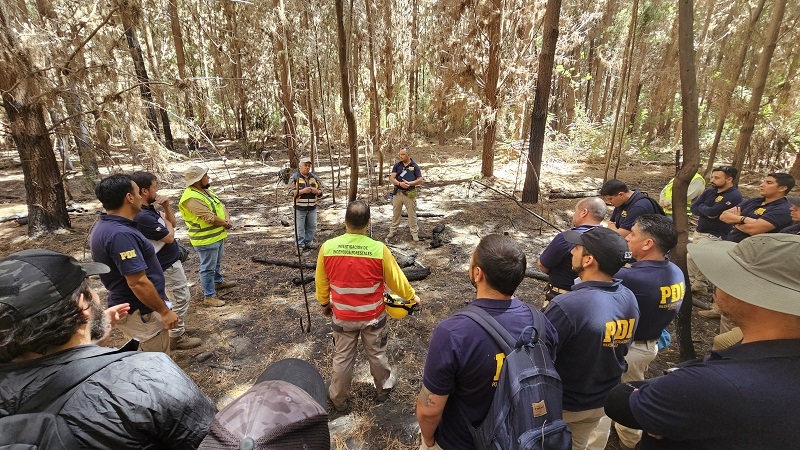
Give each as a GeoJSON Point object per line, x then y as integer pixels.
{"type": "Point", "coordinates": [354, 266]}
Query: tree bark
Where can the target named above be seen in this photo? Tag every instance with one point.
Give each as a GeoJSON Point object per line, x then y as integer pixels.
{"type": "Point", "coordinates": [347, 107]}
{"type": "Point", "coordinates": [759, 83]}
{"type": "Point", "coordinates": [22, 96]}
{"type": "Point", "coordinates": [240, 110]}
{"type": "Point", "coordinates": [413, 70]}
{"type": "Point", "coordinates": [490, 91]}
{"type": "Point", "coordinates": [374, 104]}
{"type": "Point", "coordinates": [530, 191]}
{"type": "Point", "coordinates": [690, 137]}
{"type": "Point", "coordinates": [281, 46]}
{"type": "Point", "coordinates": [126, 16]}
{"type": "Point", "coordinates": [158, 92]}
{"type": "Point", "coordinates": [184, 85]}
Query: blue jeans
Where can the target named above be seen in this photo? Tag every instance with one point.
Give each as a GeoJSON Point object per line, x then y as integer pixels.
{"type": "Point", "coordinates": [210, 261]}
{"type": "Point", "coordinates": [306, 227]}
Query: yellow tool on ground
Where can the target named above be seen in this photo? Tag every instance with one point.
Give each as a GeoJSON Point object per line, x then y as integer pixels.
{"type": "Point", "coordinates": [398, 308]}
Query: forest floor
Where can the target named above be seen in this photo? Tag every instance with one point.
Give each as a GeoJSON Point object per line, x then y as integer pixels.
{"type": "Point", "coordinates": [261, 321]}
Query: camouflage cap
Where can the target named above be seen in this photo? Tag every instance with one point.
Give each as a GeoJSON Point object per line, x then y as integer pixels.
{"type": "Point", "coordinates": [32, 280]}
{"type": "Point", "coordinates": [284, 410]}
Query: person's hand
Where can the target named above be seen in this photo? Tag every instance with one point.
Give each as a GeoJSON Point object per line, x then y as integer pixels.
{"type": "Point", "coordinates": [170, 320]}
{"type": "Point", "coordinates": [162, 200]}
{"type": "Point", "coordinates": [327, 310]}
{"type": "Point", "coordinates": [416, 299]}
{"type": "Point", "coordinates": [731, 215]}
{"type": "Point", "coordinates": [424, 446]}
{"type": "Point", "coordinates": [228, 224]}
{"type": "Point", "coordinates": [117, 312]}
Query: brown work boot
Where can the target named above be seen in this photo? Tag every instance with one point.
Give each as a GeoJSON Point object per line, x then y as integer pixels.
{"type": "Point", "coordinates": [391, 235]}
{"type": "Point", "coordinates": [225, 285]}
{"type": "Point", "coordinates": [184, 342]}
{"type": "Point", "coordinates": [415, 238]}
{"type": "Point", "coordinates": [212, 301]}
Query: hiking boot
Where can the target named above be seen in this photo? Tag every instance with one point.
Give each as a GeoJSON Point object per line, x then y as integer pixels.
{"type": "Point", "coordinates": [383, 395]}
{"type": "Point", "coordinates": [184, 342]}
{"type": "Point", "coordinates": [312, 246]}
{"type": "Point", "coordinates": [710, 314]}
{"type": "Point", "coordinates": [391, 235]}
{"type": "Point", "coordinates": [415, 238]}
{"type": "Point", "coordinates": [225, 285]}
{"type": "Point", "coordinates": [212, 301]}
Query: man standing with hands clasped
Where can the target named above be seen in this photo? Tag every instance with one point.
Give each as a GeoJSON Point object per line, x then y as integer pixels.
{"type": "Point", "coordinates": [305, 190]}
{"type": "Point", "coordinates": [207, 220]}
{"type": "Point", "coordinates": [406, 176]}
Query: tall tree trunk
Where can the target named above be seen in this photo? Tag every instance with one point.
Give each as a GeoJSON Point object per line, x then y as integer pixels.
{"type": "Point", "coordinates": [759, 83]}
{"type": "Point", "coordinates": [20, 85]}
{"type": "Point", "coordinates": [240, 100]}
{"type": "Point", "coordinates": [280, 43]}
{"type": "Point", "coordinates": [184, 85]}
{"type": "Point", "coordinates": [690, 137]}
{"type": "Point", "coordinates": [126, 15]}
{"type": "Point", "coordinates": [374, 104]}
{"type": "Point", "coordinates": [388, 57]}
{"type": "Point", "coordinates": [735, 72]}
{"type": "Point", "coordinates": [413, 70]}
{"type": "Point", "coordinates": [530, 191]}
{"type": "Point", "coordinates": [158, 92]}
{"type": "Point", "coordinates": [347, 107]}
{"type": "Point", "coordinates": [490, 89]}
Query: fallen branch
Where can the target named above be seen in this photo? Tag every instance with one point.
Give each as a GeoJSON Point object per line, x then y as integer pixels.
{"type": "Point", "coordinates": [414, 273]}
{"type": "Point", "coordinates": [284, 263]}
{"type": "Point", "coordinates": [533, 273]}
{"type": "Point", "coordinates": [423, 214]}
{"type": "Point", "coordinates": [572, 194]}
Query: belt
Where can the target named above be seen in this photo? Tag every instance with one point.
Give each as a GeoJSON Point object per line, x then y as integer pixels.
{"type": "Point", "coordinates": [552, 288]}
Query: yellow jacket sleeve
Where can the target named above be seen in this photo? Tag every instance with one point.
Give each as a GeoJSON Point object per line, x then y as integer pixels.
{"type": "Point", "coordinates": [393, 276]}
{"type": "Point", "coordinates": [321, 279]}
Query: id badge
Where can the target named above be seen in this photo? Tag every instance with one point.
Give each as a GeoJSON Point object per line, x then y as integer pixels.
{"type": "Point", "coordinates": [403, 173]}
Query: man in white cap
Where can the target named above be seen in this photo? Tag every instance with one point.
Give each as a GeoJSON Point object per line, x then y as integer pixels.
{"type": "Point", "coordinates": [305, 189]}
{"type": "Point", "coordinates": [207, 220]}
{"type": "Point", "coordinates": [745, 396]}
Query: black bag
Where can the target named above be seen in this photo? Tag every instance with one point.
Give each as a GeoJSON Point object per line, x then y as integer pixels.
{"type": "Point", "coordinates": [526, 410]}
{"type": "Point", "coordinates": [37, 424]}
{"type": "Point", "coordinates": [184, 254]}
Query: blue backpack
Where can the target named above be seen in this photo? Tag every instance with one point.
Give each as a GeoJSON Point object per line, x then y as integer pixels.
{"type": "Point", "coordinates": [526, 410]}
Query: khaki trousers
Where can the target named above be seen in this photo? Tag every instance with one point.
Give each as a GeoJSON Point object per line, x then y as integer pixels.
{"type": "Point", "coordinates": [398, 202]}
{"type": "Point", "coordinates": [583, 425]}
{"type": "Point", "coordinates": [178, 292]}
{"type": "Point", "coordinates": [148, 329]}
{"type": "Point", "coordinates": [696, 278]}
{"type": "Point", "coordinates": [345, 340]}
{"type": "Point", "coordinates": [640, 355]}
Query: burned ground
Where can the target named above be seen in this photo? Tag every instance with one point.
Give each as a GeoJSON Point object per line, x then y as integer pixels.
{"type": "Point", "coordinates": [265, 314]}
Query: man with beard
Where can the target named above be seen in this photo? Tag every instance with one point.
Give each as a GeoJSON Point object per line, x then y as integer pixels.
{"type": "Point", "coordinates": [135, 277]}
{"type": "Point", "coordinates": [159, 229]}
{"type": "Point", "coordinates": [207, 220]}
{"type": "Point", "coordinates": [304, 192]}
{"type": "Point", "coordinates": [766, 214]}
{"type": "Point", "coordinates": [463, 363]}
{"type": "Point", "coordinates": [707, 207]}
{"type": "Point", "coordinates": [595, 322]}
{"type": "Point", "coordinates": [49, 322]}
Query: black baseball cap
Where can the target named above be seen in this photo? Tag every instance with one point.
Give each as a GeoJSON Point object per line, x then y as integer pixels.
{"type": "Point", "coordinates": [32, 280]}
{"type": "Point", "coordinates": [605, 245]}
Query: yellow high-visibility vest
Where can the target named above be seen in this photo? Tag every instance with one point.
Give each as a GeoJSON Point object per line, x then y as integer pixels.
{"type": "Point", "coordinates": [200, 231]}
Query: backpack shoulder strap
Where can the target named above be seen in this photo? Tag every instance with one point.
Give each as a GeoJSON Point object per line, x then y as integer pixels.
{"type": "Point", "coordinates": [656, 206]}
{"type": "Point", "coordinates": [500, 335]}
{"type": "Point", "coordinates": [68, 380]}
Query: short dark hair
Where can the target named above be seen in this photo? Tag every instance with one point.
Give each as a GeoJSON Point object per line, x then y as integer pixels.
{"type": "Point", "coordinates": [783, 179]}
{"type": "Point", "coordinates": [143, 179]}
{"type": "Point", "coordinates": [728, 170]}
{"type": "Point", "coordinates": [50, 327]}
{"type": "Point", "coordinates": [502, 261]}
{"type": "Point", "coordinates": [111, 191]}
{"type": "Point", "coordinates": [357, 214]}
{"type": "Point", "coordinates": [660, 229]}
{"type": "Point", "coordinates": [613, 187]}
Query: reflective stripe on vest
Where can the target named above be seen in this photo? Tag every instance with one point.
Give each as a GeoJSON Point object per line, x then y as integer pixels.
{"type": "Point", "coordinates": [200, 231]}
{"type": "Point", "coordinates": [354, 266]}
{"type": "Point", "coordinates": [305, 200]}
